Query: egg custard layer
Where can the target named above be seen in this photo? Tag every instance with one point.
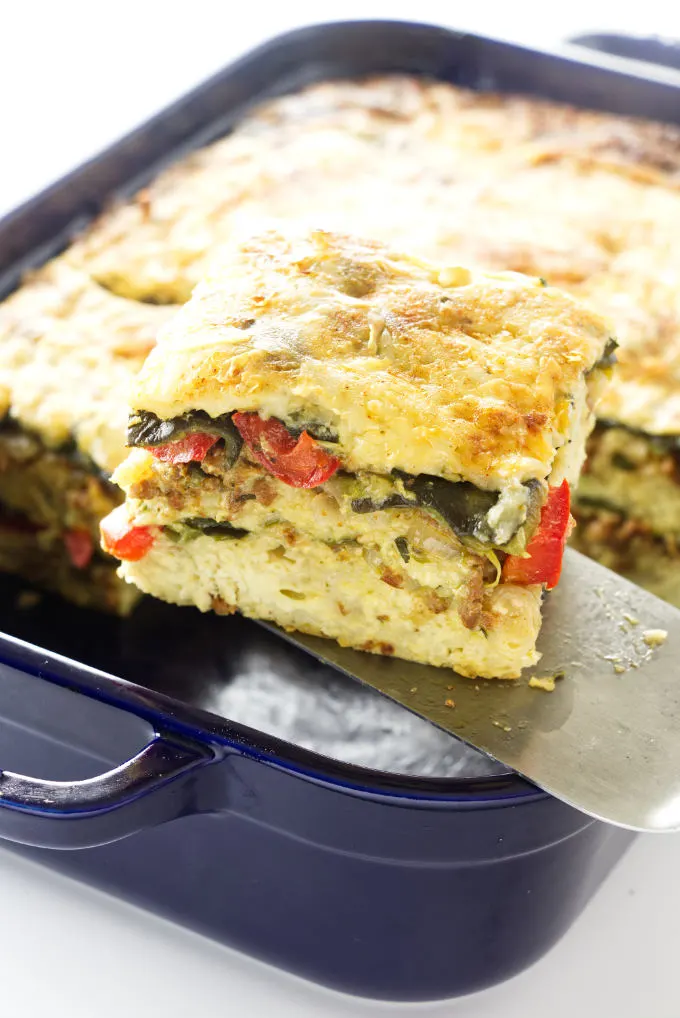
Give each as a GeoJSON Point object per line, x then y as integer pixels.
{"type": "Point", "coordinates": [356, 443]}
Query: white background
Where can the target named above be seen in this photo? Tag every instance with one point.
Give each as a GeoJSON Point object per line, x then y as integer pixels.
{"type": "Point", "coordinates": [72, 78]}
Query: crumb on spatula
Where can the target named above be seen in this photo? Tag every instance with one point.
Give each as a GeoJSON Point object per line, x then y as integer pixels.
{"type": "Point", "coordinates": [544, 682]}
{"type": "Point", "coordinates": [655, 637]}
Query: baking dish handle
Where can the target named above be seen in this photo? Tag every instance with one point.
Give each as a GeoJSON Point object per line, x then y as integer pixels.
{"type": "Point", "coordinates": [158, 784]}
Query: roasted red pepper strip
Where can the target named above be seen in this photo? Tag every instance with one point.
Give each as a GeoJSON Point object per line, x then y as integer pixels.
{"type": "Point", "coordinates": [123, 540]}
{"type": "Point", "coordinates": [546, 547]}
{"type": "Point", "coordinates": [185, 450]}
{"type": "Point", "coordinates": [300, 462]}
{"type": "Point", "coordinates": [80, 547]}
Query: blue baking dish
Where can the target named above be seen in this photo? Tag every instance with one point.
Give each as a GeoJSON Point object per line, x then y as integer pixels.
{"type": "Point", "coordinates": [201, 767]}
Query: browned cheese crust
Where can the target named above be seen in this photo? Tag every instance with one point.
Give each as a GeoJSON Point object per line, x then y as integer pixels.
{"type": "Point", "coordinates": [588, 200]}
{"type": "Point", "coordinates": [417, 366]}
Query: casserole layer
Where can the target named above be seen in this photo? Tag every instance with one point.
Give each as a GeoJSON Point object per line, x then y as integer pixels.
{"type": "Point", "coordinates": [636, 476]}
{"type": "Point", "coordinates": [629, 547]}
{"type": "Point", "coordinates": [51, 505]}
{"type": "Point", "coordinates": [628, 507]}
{"type": "Point", "coordinates": [69, 349]}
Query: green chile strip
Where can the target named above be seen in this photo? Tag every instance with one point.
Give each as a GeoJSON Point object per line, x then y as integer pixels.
{"type": "Point", "coordinates": [462, 505]}
{"type": "Point", "coordinates": [146, 429]}
{"type": "Point", "coordinates": [213, 528]}
{"type": "Point", "coordinates": [317, 430]}
{"type": "Point", "coordinates": [372, 505]}
{"type": "Point", "coordinates": [297, 422]}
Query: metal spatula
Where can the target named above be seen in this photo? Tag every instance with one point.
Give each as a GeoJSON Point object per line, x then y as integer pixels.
{"type": "Point", "coordinates": [607, 740]}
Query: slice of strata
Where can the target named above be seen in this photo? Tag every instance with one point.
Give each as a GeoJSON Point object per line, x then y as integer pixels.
{"type": "Point", "coordinates": [69, 349]}
{"type": "Point", "coordinates": [355, 443]}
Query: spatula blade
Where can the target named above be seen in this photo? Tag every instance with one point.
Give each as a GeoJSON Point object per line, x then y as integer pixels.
{"type": "Point", "coordinates": [606, 741]}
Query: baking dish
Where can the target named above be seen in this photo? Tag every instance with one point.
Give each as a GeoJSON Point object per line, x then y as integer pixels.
{"type": "Point", "coordinates": [312, 824]}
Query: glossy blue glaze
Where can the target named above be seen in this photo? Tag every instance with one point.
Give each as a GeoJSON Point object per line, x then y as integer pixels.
{"type": "Point", "coordinates": [461, 910]}
{"type": "Point", "coordinates": [384, 885]}
{"type": "Point", "coordinates": [226, 780]}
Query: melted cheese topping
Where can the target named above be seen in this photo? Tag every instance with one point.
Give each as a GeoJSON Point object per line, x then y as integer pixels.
{"type": "Point", "coordinates": [416, 366]}
{"type": "Point", "coordinates": [589, 200]}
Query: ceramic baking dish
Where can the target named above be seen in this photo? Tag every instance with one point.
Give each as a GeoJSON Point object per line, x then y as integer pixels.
{"type": "Point", "coordinates": [203, 768]}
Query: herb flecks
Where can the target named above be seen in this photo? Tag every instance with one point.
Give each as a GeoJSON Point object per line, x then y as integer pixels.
{"type": "Point", "coordinates": [403, 548]}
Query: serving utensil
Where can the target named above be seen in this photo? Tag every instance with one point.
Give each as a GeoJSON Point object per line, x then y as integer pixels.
{"type": "Point", "coordinates": [606, 739]}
